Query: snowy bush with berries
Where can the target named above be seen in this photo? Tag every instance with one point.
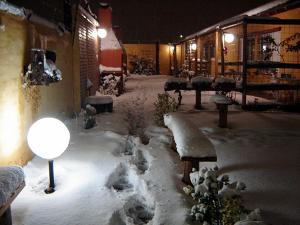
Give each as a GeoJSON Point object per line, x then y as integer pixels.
{"type": "Point", "coordinates": [217, 201]}
{"type": "Point", "coordinates": [111, 85]}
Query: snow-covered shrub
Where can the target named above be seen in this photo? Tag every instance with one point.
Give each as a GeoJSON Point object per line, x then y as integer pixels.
{"type": "Point", "coordinates": [89, 117]}
{"type": "Point", "coordinates": [141, 65]}
{"type": "Point", "coordinates": [217, 201]}
{"type": "Point", "coordinates": [164, 104]}
{"type": "Point", "coordinates": [111, 85]}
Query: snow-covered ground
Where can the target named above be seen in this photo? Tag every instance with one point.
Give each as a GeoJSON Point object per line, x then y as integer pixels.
{"type": "Point", "coordinates": [108, 177]}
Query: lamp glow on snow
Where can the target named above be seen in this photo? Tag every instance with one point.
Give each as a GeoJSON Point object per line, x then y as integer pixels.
{"type": "Point", "coordinates": [48, 138]}
{"type": "Point", "coordinates": [102, 33]}
{"type": "Point", "coordinates": [228, 37]}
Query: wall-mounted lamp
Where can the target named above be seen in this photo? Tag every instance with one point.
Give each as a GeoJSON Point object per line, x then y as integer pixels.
{"type": "Point", "coordinates": [228, 37]}
{"type": "Point", "coordinates": [102, 33]}
{"type": "Point", "coordinates": [171, 47]}
{"type": "Point", "coordinates": [193, 46]}
{"type": "Point", "coordinates": [48, 138]}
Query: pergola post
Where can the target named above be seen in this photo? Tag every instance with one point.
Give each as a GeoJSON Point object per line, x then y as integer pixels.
{"type": "Point", "coordinates": [245, 59]}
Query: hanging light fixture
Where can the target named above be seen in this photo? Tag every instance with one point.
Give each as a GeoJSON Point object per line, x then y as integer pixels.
{"type": "Point", "coordinates": [102, 33]}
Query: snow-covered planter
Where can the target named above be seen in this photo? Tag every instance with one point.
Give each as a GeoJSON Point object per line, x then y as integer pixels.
{"type": "Point", "coordinates": [42, 69]}
{"type": "Point", "coordinates": [89, 117]}
{"type": "Point", "coordinates": [217, 201]}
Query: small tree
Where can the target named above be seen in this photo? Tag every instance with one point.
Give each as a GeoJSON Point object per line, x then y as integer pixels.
{"type": "Point", "coordinates": [164, 104]}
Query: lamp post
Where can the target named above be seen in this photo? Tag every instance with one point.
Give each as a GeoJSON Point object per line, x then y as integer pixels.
{"type": "Point", "coordinates": [48, 138]}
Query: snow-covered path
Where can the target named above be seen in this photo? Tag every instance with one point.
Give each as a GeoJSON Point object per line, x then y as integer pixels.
{"type": "Point", "coordinates": [108, 177]}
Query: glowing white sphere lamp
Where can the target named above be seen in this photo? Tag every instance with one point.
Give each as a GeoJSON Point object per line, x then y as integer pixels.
{"type": "Point", "coordinates": [102, 33]}
{"type": "Point", "coordinates": [48, 138]}
{"type": "Point", "coordinates": [229, 38]}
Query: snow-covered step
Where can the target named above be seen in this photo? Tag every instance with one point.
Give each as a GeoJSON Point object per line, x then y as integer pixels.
{"type": "Point", "coordinates": [11, 183]}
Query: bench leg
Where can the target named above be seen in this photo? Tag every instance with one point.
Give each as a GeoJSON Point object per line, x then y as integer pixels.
{"type": "Point", "coordinates": [198, 100]}
{"type": "Point", "coordinates": [223, 115]}
{"type": "Point", "coordinates": [188, 167]}
{"type": "Point", "coordinates": [5, 219]}
{"type": "Point", "coordinates": [179, 97]}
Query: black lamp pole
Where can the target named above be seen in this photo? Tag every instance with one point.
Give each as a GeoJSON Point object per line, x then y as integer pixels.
{"type": "Point", "coordinates": [51, 187]}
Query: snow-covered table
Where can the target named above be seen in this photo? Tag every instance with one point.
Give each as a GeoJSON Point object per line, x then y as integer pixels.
{"type": "Point", "coordinates": [192, 145]}
{"type": "Point", "coordinates": [200, 83]}
{"type": "Point", "coordinates": [224, 84]}
{"type": "Point", "coordinates": [11, 183]}
{"type": "Point", "coordinates": [222, 103]}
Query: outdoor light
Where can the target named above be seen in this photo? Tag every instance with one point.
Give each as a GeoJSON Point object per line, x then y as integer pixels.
{"type": "Point", "coordinates": [102, 33]}
{"type": "Point", "coordinates": [171, 48]}
{"type": "Point", "coordinates": [181, 36]}
{"type": "Point", "coordinates": [228, 37]}
{"type": "Point", "coordinates": [194, 46]}
{"type": "Point", "coordinates": [264, 47]}
{"type": "Point", "coordinates": [48, 138]}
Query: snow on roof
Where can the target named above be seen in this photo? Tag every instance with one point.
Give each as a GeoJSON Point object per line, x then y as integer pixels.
{"type": "Point", "coordinates": [103, 68]}
{"type": "Point", "coordinates": [251, 12]}
{"type": "Point", "coordinates": [110, 42]}
{"type": "Point", "coordinates": [11, 9]}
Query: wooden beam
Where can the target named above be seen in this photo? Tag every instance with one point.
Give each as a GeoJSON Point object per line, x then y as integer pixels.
{"type": "Point", "coordinates": [245, 59]}
{"type": "Point", "coordinates": [157, 58]}
{"type": "Point", "coordinates": [222, 52]}
{"type": "Point", "coordinates": [271, 20]}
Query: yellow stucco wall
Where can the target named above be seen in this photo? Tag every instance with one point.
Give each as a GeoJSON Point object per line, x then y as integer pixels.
{"type": "Point", "coordinates": [140, 50]}
{"type": "Point", "coordinates": [149, 51]}
{"type": "Point", "coordinates": [164, 59]}
{"type": "Point", "coordinates": [17, 110]}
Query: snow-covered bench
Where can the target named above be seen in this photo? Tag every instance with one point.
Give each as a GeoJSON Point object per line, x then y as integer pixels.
{"type": "Point", "coordinates": [222, 103]}
{"type": "Point", "coordinates": [11, 183]}
{"type": "Point", "coordinates": [192, 145]}
{"type": "Point", "coordinates": [101, 103]}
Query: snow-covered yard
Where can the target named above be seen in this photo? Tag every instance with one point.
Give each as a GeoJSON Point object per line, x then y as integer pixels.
{"type": "Point", "coordinates": [108, 177]}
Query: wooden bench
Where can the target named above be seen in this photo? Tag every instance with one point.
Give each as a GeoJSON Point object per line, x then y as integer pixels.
{"type": "Point", "coordinates": [222, 103]}
{"type": "Point", "coordinates": [101, 103]}
{"type": "Point", "coordinates": [192, 145]}
{"type": "Point", "coordinates": [11, 183]}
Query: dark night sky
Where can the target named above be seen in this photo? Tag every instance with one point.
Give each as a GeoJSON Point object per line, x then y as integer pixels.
{"type": "Point", "coordinates": [154, 20]}
{"type": "Point", "coordinates": [165, 20]}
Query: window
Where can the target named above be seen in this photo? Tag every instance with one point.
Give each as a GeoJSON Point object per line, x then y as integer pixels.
{"type": "Point", "coordinates": [262, 46]}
